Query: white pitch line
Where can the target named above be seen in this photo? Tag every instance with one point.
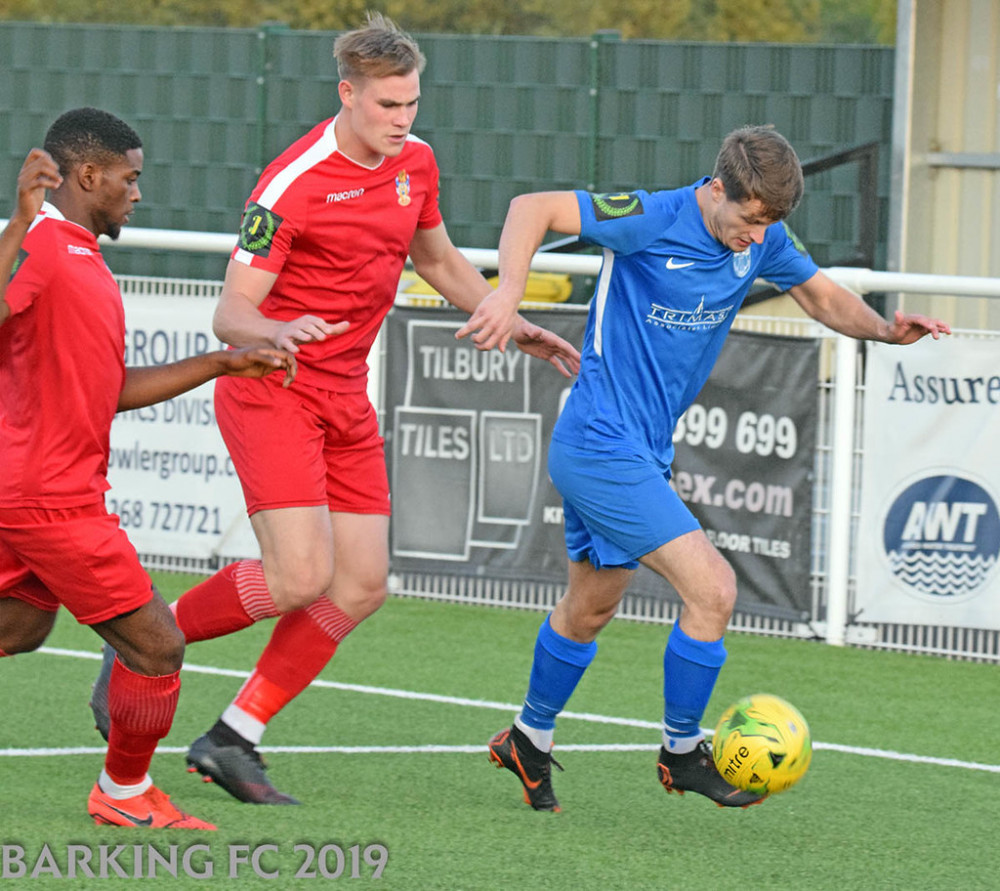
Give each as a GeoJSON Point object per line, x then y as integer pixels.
{"type": "Point", "coordinates": [514, 708]}
{"type": "Point", "coordinates": [335, 750]}
{"type": "Point", "coordinates": [481, 748]}
{"type": "Point", "coordinates": [473, 703]}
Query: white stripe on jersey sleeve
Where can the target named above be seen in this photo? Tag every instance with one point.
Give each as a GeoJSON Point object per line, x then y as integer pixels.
{"type": "Point", "coordinates": [321, 149]}
{"type": "Point", "coordinates": [600, 298]}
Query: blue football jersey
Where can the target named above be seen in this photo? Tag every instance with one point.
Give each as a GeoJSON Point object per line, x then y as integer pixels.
{"type": "Point", "coordinates": [666, 297]}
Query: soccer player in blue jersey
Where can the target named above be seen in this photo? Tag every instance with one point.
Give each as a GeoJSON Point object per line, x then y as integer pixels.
{"type": "Point", "coordinates": [677, 265]}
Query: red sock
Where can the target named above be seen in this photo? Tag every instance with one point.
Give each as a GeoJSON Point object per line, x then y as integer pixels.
{"type": "Point", "coordinates": [301, 645]}
{"type": "Point", "coordinates": [2, 654]}
{"type": "Point", "coordinates": [141, 709]}
{"type": "Point", "coordinates": [260, 698]}
{"type": "Point", "coordinates": [234, 598]}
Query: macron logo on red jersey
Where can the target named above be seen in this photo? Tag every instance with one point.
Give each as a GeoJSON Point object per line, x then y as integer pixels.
{"type": "Point", "coordinates": [75, 249]}
{"type": "Point", "coordinates": [344, 196]}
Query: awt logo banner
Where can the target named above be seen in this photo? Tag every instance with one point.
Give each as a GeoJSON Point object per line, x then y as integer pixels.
{"type": "Point", "coordinates": [941, 537]}
{"type": "Point", "coordinates": [929, 534]}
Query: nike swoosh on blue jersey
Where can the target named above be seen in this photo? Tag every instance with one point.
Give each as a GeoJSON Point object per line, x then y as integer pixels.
{"type": "Point", "coordinates": [673, 264]}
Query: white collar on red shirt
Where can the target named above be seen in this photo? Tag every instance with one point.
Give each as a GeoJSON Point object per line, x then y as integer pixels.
{"type": "Point", "coordinates": [47, 211]}
{"type": "Point", "coordinates": [331, 132]}
{"type": "Point", "coordinates": [50, 211]}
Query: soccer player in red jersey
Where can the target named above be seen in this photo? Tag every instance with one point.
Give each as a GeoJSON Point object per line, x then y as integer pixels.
{"type": "Point", "coordinates": [323, 240]}
{"type": "Point", "coordinates": [62, 378]}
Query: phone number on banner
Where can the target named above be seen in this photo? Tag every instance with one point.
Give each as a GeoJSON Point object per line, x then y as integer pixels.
{"type": "Point", "coordinates": [762, 434]}
{"type": "Point", "coordinates": [166, 516]}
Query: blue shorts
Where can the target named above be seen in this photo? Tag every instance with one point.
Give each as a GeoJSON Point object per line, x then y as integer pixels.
{"type": "Point", "coordinates": [616, 507]}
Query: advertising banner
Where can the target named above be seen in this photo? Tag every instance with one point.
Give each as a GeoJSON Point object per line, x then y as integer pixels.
{"type": "Point", "coordinates": [929, 535]}
{"type": "Point", "coordinates": [173, 484]}
{"type": "Point", "coordinates": [467, 436]}
{"type": "Point", "coordinates": [744, 460]}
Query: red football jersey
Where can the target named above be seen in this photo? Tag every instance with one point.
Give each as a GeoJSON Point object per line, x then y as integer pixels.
{"type": "Point", "coordinates": [337, 233]}
{"type": "Point", "coordinates": [62, 368]}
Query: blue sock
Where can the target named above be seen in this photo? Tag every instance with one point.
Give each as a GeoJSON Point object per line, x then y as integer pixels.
{"type": "Point", "coordinates": [690, 668]}
{"type": "Point", "coordinates": [559, 664]}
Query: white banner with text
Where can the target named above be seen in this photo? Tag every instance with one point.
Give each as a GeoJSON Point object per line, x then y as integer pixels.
{"type": "Point", "coordinates": [173, 484]}
{"type": "Point", "coordinates": [929, 535]}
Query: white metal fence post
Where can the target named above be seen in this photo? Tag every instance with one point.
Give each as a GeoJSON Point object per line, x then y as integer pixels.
{"type": "Point", "coordinates": [841, 467]}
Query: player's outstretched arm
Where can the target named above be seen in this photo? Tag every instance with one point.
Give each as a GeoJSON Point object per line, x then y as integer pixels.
{"type": "Point", "coordinates": [528, 220]}
{"type": "Point", "coordinates": [146, 386]}
{"type": "Point", "coordinates": [447, 270]}
{"type": "Point", "coordinates": [239, 322]}
{"type": "Point", "coordinates": [910, 327]}
{"type": "Point", "coordinates": [844, 311]}
{"type": "Point", "coordinates": [38, 173]}
{"type": "Point", "coordinates": [544, 344]}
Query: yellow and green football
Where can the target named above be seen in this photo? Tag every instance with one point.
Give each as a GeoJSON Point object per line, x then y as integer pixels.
{"type": "Point", "coordinates": [762, 744]}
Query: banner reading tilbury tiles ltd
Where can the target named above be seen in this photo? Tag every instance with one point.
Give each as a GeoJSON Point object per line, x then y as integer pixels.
{"type": "Point", "coordinates": [468, 435]}
{"type": "Point", "coordinates": [929, 536]}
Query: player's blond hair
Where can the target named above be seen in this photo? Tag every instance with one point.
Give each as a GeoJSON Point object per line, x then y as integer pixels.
{"type": "Point", "coordinates": [378, 49]}
{"type": "Point", "coordinates": [758, 163]}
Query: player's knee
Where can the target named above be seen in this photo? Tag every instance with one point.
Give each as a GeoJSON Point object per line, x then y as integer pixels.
{"type": "Point", "coordinates": [27, 635]}
{"type": "Point", "coordinates": [374, 593]}
{"type": "Point", "coordinates": [719, 596]}
{"type": "Point", "coordinates": [23, 641]}
{"type": "Point", "coordinates": [363, 597]}
{"type": "Point", "coordinates": [589, 624]}
{"type": "Point", "coordinates": [295, 589]}
{"type": "Point", "coordinates": [156, 655]}
{"type": "Point", "coordinates": [582, 621]}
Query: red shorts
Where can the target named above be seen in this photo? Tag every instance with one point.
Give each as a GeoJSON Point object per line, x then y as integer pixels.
{"type": "Point", "coordinates": [78, 557]}
{"type": "Point", "coordinates": [303, 446]}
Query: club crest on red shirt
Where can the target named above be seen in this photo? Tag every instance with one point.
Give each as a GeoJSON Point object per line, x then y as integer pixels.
{"type": "Point", "coordinates": [403, 187]}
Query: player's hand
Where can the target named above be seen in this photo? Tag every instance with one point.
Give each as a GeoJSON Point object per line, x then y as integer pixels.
{"type": "Point", "coordinates": [492, 322]}
{"type": "Point", "coordinates": [543, 344]}
{"type": "Point", "coordinates": [906, 328]}
{"type": "Point", "coordinates": [260, 362]}
{"type": "Point", "coordinates": [306, 329]}
{"type": "Point", "coordinates": [38, 173]}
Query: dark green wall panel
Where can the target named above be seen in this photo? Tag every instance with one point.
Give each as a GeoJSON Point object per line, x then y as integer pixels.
{"type": "Point", "coordinates": [505, 115]}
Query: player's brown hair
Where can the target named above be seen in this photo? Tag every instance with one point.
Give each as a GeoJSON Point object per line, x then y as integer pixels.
{"type": "Point", "coordinates": [378, 49]}
{"type": "Point", "coordinates": [758, 163]}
